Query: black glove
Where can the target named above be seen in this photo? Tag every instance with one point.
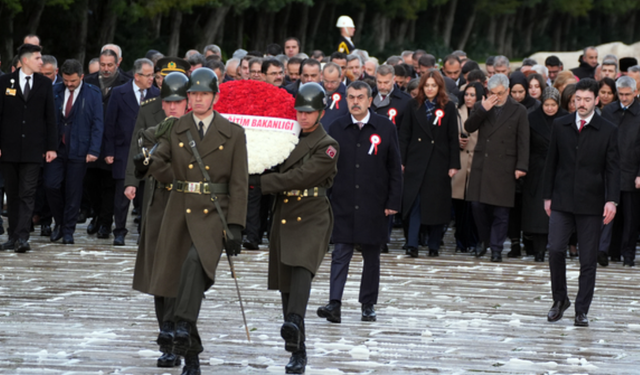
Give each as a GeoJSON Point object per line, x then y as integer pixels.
{"type": "Point", "coordinates": [233, 245]}
{"type": "Point", "coordinates": [138, 162]}
{"type": "Point", "coordinates": [254, 180]}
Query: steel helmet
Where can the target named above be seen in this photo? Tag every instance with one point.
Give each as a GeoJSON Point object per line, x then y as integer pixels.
{"type": "Point", "coordinates": [345, 21]}
{"type": "Point", "coordinates": [174, 87]}
{"type": "Point", "coordinates": [311, 97]}
{"type": "Point", "coordinates": [203, 80]}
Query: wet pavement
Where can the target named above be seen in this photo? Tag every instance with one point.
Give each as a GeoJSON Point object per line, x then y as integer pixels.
{"type": "Point", "coordinates": [70, 309]}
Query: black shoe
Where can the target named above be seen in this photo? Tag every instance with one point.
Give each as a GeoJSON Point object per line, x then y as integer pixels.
{"type": "Point", "coordinates": [557, 310]}
{"type": "Point", "coordinates": [368, 313]}
{"type": "Point", "coordinates": [481, 249]}
{"type": "Point", "coordinates": [291, 332]}
{"type": "Point", "coordinates": [540, 257]}
{"type": "Point", "coordinates": [581, 320]}
{"type": "Point", "coordinates": [9, 245]}
{"type": "Point", "coordinates": [92, 228]}
{"type": "Point", "coordinates": [516, 251]}
{"type": "Point", "coordinates": [463, 250]}
{"type": "Point", "coordinates": [136, 220]}
{"type": "Point", "coordinates": [119, 240]}
{"type": "Point", "coordinates": [82, 217]}
{"type": "Point", "coordinates": [331, 312]}
{"type": "Point", "coordinates": [249, 245]}
{"type": "Point", "coordinates": [22, 246]}
{"type": "Point", "coordinates": [135, 211]}
{"type": "Point", "coordinates": [56, 234]}
{"type": "Point", "coordinates": [603, 259]}
{"type": "Point", "coordinates": [104, 232]}
{"type": "Point", "coordinates": [191, 365]}
{"type": "Point", "coordinates": [616, 258]}
{"type": "Point", "coordinates": [496, 257]}
{"type": "Point", "coordinates": [433, 253]}
{"type": "Point", "coordinates": [68, 239]}
{"type": "Point", "coordinates": [182, 338]}
{"type": "Point", "coordinates": [384, 249]}
{"type": "Point", "coordinates": [169, 360]}
{"type": "Point", "coordinates": [166, 335]}
{"type": "Point", "coordinates": [297, 362]}
{"type": "Point", "coordinates": [629, 263]}
{"type": "Point", "coordinates": [45, 230]}
{"type": "Point", "coordinates": [412, 251]}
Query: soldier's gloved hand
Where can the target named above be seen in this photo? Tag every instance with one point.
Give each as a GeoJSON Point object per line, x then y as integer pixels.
{"type": "Point", "coordinates": [254, 180]}
{"type": "Point", "coordinates": [233, 240]}
{"type": "Point", "coordinates": [138, 162]}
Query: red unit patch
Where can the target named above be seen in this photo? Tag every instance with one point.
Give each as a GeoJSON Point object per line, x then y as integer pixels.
{"type": "Point", "coordinates": [331, 151]}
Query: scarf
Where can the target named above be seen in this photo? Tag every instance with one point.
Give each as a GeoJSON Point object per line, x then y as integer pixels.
{"type": "Point", "coordinates": [107, 83]}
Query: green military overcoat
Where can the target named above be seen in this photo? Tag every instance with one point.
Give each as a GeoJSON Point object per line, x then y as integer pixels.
{"type": "Point", "coordinates": [302, 226]}
{"type": "Point", "coordinates": [191, 218]}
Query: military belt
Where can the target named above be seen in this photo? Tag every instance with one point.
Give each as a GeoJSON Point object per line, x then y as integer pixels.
{"type": "Point", "coordinates": [200, 187]}
{"type": "Point", "coordinates": [311, 192]}
{"type": "Point", "coordinates": [160, 185]}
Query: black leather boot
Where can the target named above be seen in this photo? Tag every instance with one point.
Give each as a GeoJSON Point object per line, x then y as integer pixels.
{"type": "Point", "coordinates": [297, 362]}
{"type": "Point", "coordinates": [168, 359]}
{"type": "Point", "coordinates": [292, 332]}
{"type": "Point", "coordinates": [191, 365]}
{"type": "Point", "coordinates": [182, 338]}
{"type": "Point", "coordinates": [165, 337]}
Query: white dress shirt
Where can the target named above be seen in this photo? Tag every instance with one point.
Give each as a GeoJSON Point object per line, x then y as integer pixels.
{"type": "Point", "coordinates": [588, 119]}
{"type": "Point", "coordinates": [23, 80]}
{"type": "Point", "coordinates": [136, 90]}
{"type": "Point", "coordinates": [364, 121]}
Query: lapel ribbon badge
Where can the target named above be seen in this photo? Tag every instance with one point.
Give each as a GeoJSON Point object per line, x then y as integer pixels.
{"type": "Point", "coordinates": [439, 116]}
{"type": "Point", "coordinates": [375, 141]}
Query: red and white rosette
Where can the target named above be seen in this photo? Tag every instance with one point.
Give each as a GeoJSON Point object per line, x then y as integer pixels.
{"type": "Point", "coordinates": [439, 115]}
{"type": "Point", "coordinates": [375, 141]}
{"type": "Point", "coordinates": [392, 114]}
{"type": "Point", "coordinates": [335, 100]}
{"type": "Point", "coordinates": [267, 115]}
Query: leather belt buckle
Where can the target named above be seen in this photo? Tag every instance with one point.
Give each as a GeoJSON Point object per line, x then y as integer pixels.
{"type": "Point", "coordinates": [206, 189]}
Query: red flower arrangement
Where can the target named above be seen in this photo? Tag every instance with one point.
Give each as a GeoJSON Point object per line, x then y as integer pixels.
{"type": "Point", "coordinates": [255, 98]}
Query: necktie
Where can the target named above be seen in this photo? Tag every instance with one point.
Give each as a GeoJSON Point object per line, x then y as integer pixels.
{"type": "Point", "coordinates": [201, 129]}
{"type": "Point", "coordinates": [383, 97]}
{"type": "Point", "coordinates": [360, 124]}
{"type": "Point", "coordinates": [67, 108]}
{"type": "Point", "coordinates": [141, 96]}
{"type": "Point", "coordinates": [582, 124]}
{"type": "Point", "coordinates": [27, 88]}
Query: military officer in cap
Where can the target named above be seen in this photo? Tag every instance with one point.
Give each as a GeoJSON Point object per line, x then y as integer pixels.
{"type": "Point", "coordinates": [151, 114]}
{"type": "Point", "coordinates": [347, 29]}
{"type": "Point", "coordinates": [302, 218]}
{"type": "Point", "coordinates": [174, 104]}
{"type": "Point", "coordinates": [207, 203]}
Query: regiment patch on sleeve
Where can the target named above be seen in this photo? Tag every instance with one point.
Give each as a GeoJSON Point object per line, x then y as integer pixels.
{"type": "Point", "coordinates": [331, 151]}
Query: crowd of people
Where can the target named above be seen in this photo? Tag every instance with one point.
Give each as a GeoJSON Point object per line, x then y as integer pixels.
{"type": "Point", "coordinates": [403, 142]}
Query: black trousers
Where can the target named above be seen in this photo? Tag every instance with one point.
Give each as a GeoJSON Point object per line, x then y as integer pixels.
{"type": "Point", "coordinates": [120, 209]}
{"type": "Point", "coordinates": [101, 188]}
{"type": "Point", "coordinates": [21, 182]}
{"type": "Point", "coordinates": [466, 234]}
{"type": "Point", "coordinates": [192, 285]}
{"type": "Point", "coordinates": [42, 207]}
{"type": "Point", "coordinates": [492, 223]}
{"type": "Point", "coordinates": [561, 227]}
{"type": "Point", "coordinates": [624, 232]}
{"type": "Point", "coordinates": [370, 281]}
{"type": "Point", "coordinates": [253, 224]}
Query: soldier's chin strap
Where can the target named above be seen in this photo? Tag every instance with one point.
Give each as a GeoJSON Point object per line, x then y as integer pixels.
{"type": "Point", "coordinates": [320, 112]}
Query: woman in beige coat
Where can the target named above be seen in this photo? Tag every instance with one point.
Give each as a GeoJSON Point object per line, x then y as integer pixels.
{"type": "Point", "coordinates": [466, 236]}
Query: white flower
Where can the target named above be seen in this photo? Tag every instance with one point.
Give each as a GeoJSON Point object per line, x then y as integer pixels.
{"type": "Point", "coordinates": [267, 148]}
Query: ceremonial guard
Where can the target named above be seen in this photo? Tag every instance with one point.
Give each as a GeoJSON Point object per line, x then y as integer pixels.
{"type": "Point", "coordinates": [302, 218]}
{"type": "Point", "coordinates": [207, 206]}
{"type": "Point", "coordinates": [174, 104]}
{"type": "Point", "coordinates": [366, 192]}
{"type": "Point", "coordinates": [347, 29]}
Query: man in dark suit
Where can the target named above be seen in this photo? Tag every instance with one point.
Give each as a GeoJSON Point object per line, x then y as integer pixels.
{"type": "Point", "coordinates": [388, 100]}
{"type": "Point", "coordinates": [581, 180]}
{"type": "Point", "coordinates": [500, 158]}
{"type": "Point", "coordinates": [309, 72]}
{"type": "Point", "coordinates": [366, 191]}
{"type": "Point", "coordinates": [99, 185]}
{"type": "Point", "coordinates": [27, 133]}
{"type": "Point", "coordinates": [80, 125]}
{"type": "Point", "coordinates": [120, 121]}
{"type": "Point", "coordinates": [623, 232]}
{"type": "Point", "coordinates": [336, 94]}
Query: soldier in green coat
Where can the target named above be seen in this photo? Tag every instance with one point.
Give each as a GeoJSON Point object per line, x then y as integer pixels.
{"type": "Point", "coordinates": [302, 218]}
{"type": "Point", "coordinates": [174, 104]}
{"type": "Point", "coordinates": [208, 201]}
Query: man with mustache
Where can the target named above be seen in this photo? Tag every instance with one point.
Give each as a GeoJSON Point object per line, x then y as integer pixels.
{"type": "Point", "coordinates": [581, 189]}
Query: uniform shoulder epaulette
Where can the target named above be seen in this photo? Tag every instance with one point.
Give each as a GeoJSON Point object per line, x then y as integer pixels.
{"type": "Point", "coordinates": [148, 101]}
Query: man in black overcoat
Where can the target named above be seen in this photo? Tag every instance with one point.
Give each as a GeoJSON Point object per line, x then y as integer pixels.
{"type": "Point", "coordinates": [28, 131]}
{"type": "Point", "coordinates": [581, 186]}
{"type": "Point", "coordinates": [366, 191]}
{"type": "Point", "coordinates": [388, 100]}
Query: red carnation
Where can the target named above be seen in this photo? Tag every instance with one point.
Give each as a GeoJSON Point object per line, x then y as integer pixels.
{"type": "Point", "coordinates": [255, 98]}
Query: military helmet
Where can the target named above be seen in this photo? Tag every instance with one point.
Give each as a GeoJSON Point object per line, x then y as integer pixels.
{"type": "Point", "coordinates": [203, 80]}
{"type": "Point", "coordinates": [174, 87]}
{"type": "Point", "coordinates": [345, 21]}
{"type": "Point", "coordinates": [311, 97]}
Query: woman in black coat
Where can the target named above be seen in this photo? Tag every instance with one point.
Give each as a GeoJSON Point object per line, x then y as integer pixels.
{"type": "Point", "coordinates": [430, 157]}
{"type": "Point", "coordinates": [535, 222]}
